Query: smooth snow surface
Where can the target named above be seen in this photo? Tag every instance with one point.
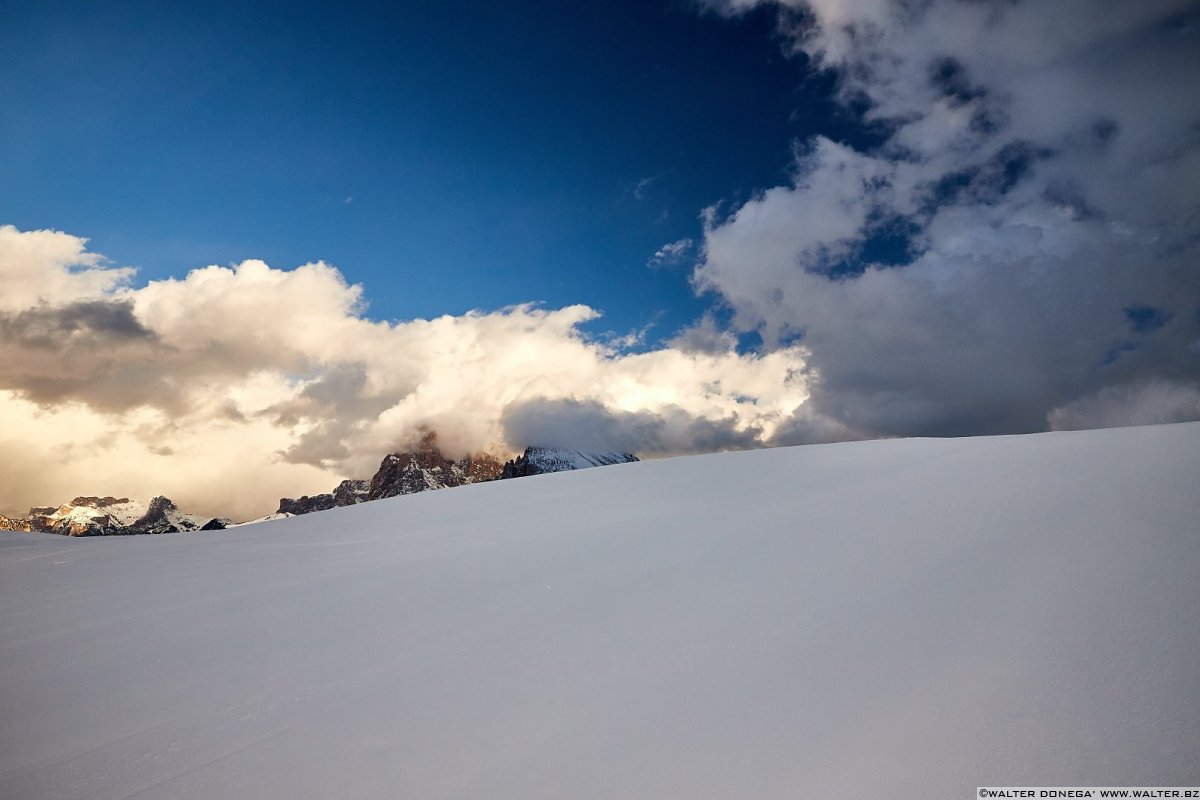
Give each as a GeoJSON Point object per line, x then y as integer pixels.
{"type": "Point", "coordinates": [273, 516]}
{"type": "Point", "coordinates": [900, 619]}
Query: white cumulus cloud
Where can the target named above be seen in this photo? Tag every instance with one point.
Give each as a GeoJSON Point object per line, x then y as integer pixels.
{"type": "Point", "coordinates": [232, 386]}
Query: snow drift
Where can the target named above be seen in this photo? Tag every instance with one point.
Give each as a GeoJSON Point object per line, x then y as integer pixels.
{"type": "Point", "coordinates": [906, 618]}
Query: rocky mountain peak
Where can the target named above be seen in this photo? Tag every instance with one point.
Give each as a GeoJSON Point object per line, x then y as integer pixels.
{"type": "Point", "coordinates": [420, 468]}
{"type": "Point", "coordinates": [424, 467]}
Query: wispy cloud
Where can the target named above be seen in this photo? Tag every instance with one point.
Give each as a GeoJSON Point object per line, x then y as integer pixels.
{"type": "Point", "coordinates": [671, 254]}
{"type": "Point", "coordinates": [639, 189]}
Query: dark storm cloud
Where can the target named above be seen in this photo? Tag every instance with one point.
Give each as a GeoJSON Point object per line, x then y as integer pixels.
{"type": "Point", "coordinates": [1026, 238]}
{"type": "Point", "coordinates": [1152, 402]}
{"type": "Point", "coordinates": [97, 322]}
{"type": "Point", "coordinates": [91, 350]}
{"type": "Point", "coordinates": [591, 426]}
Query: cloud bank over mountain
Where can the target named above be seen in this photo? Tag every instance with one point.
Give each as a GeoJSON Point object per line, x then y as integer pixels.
{"type": "Point", "coordinates": [234, 385]}
{"type": "Point", "coordinates": [1023, 236]}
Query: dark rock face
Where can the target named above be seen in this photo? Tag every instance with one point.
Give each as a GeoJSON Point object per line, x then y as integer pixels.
{"type": "Point", "coordinates": [305, 504]}
{"type": "Point", "coordinates": [480, 468]}
{"type": "Point", "coordinates": [99, 502]}
{"type": "Point", "coordinates": [408, 473]}
{"type": "Point", "coordinates": [425, 468]}
{"type": "Point", "coordinates": [541, 460]}
{"type": "Point", "coordinates": [347, 493]}
{"type": "Point", "coordinates": [350, 492]}
{"type": "Point", "coordinates": [519, 467]}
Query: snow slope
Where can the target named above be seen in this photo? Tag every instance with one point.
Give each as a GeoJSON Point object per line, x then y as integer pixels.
{"type": "Point", "coordinates": [901, 619]}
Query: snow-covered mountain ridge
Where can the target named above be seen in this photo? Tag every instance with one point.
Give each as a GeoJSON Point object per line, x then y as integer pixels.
{"type": "Point", "coordinates": [904, 619]}
{"type": "Point", "coordinates": [108, 516]}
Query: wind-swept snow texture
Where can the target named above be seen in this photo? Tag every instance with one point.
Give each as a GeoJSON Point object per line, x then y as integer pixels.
{"type": "Point", "coordinates": [900, 619]}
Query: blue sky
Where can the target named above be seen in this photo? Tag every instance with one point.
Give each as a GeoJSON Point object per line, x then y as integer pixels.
{"type": "Point", "coordinates": [447, 156]}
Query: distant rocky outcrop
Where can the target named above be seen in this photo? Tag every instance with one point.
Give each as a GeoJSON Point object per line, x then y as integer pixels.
{"type": "Point", "coordinates": [110, 516]}
{"type": "Point", "coordinates": [347, 493]}
{"type": "Point", "coordinates": [541, 460]}
{"type": "Point", "coordinates": [424, 468]}
{"type": "Point", "coordinates": [421, 468]}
